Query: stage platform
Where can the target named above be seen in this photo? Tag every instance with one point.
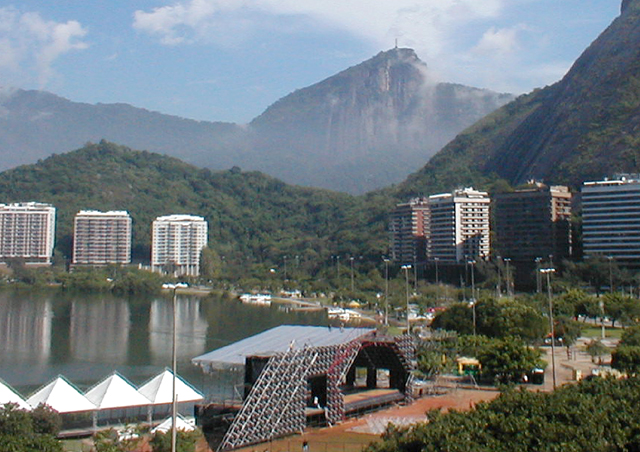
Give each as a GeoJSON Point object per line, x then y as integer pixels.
{"type": "Point", "coordinates": [370, 400]}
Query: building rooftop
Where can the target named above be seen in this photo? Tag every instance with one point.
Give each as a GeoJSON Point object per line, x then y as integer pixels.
{"type": "Point", "coordinates": [277, 340]}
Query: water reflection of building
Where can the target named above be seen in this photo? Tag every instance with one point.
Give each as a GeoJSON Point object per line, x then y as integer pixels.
{"type": "Point", "coordinates": [191, 329]}
{"type": "Point", "coordinates": [25, 330]}
{"type": "Point", "coordinates": [99, 330]}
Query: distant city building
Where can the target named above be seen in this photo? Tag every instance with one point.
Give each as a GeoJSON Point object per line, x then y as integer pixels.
{"type": "Point", "coordinates": [458, 226]}
{"type": "Point", "coordinates": [101, 238]}
{"type": "Point", "coordinates": [177, 241]}
{"type": "Point", "coordinates": [407, 227]}
{"type": "Point", "coordinates": [533, 223]}
{"type": "Point", "coordinates": [27, 232]}
{"type": "Point", "coordinates": [611, 218]}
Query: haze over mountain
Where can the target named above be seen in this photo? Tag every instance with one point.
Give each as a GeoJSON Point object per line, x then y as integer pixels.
{"type": "Point", "coordinates": [364, 128]}
{"type": "Point", "coordinates": [585, 127]}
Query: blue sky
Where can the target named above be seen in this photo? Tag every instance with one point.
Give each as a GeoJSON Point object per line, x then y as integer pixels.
{"type": "Point", "coordinates": [227, 60]}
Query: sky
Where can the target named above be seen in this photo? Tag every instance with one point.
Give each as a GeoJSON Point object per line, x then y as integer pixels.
{"type": "Point", "coordinates": [228, 60]}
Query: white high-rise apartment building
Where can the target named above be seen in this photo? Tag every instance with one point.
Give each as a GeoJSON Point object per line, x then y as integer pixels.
{"type": "Point", "coordinates": [177, 241]}
{"type": "Point", "coordinates": [27, 232]}
{"type": "Point", "coordinates": [458, 226]}
{"type": "Point", "coordinates": [611, 218]}
{"type": "Point", "coordinates": [101, 238]}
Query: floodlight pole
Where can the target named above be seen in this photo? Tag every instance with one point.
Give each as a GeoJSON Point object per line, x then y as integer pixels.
{"type": "Point", "coordinates": [406, 275]}
{"type": "Point", "coordinates": [548, 272]}
{"type": "Point", "coordinates": [174, 360]}
{"type": "Point", "coordinates": [386, 292]}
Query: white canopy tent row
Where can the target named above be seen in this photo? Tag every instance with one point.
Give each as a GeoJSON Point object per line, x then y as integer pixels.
{"type": "Point", "coordinates": [114, 400]}
{"type": "Point", "coordinates": [159, 391]}
{"type": "Point", "coordinates": [62, 396]}
{"type": "Point", "coordinates": [181, 424]}
{"type": "Point", "coordinates": [117, 401]}
{"type": "Point", "coordinates": [9, 395]}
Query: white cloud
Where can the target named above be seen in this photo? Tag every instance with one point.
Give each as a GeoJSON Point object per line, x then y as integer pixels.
{"type": "Point", "coordinates": [418, 23]}
{"type": "Point", "coordinates": [502, 41]}
{"type": "Point", "coordinates": [30, 45]}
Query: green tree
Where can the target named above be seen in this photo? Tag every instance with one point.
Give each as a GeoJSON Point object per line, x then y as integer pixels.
{"type": "Point", "coordinates": [508, 360]}
{"type": "Point", "coordinates": [19, 432]}
{"type": "Point", "coordinates": [185, 441]}
{"type": "Point", "coordinates": [626, 358]}
{"type": "Point", "coordinates": [596, 349]}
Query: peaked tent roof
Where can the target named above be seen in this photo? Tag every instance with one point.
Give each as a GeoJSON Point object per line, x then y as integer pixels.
{"type": "Point", "coordinates": [9, 395]}
{"type": "Point", "coordinates": [159, 390]}
{"type": "Point", "coordinates": [115, 392]}
{"type": "Point", "coordinates": [277, 340]}
{"type": "Point", "coordinates": [62, 396]}
{"type": "Point", "coordinates": [181, 424]}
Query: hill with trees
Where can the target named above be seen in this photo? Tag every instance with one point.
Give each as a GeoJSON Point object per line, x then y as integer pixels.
{"type": "Point", "coordinates": [253, 219]}
{"type": "Point", "coordinates": [584, 127]}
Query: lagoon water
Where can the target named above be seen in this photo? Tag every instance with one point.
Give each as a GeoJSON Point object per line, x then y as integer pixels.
{"type": "Point", "coordinates": [86, 337]}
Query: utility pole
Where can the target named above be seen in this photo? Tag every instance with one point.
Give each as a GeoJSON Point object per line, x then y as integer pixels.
{"type": "Point", "coordinates": [548, 272]}
{"type": "Point", "coordinates": [174, 365]}
{"type": "Point", "coordinates": [406, 275]}
{"type": "Point", "coordinates": [386, 292]}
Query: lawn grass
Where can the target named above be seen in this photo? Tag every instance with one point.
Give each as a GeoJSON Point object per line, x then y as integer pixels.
{"type": "Point", "coordinates": [596, 332]}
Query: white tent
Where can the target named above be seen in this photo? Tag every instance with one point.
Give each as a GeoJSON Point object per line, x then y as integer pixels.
{"type": "Point", "coordinates": [115, 392]}
{"type": "Point", "coordinates": [9, 395]}
{"type": "Point", "coordinates": [159, 390]}
{"type": "Point", "coordinates": [62, 396]}
{"type": "Point", "coordinates": [181, 424]}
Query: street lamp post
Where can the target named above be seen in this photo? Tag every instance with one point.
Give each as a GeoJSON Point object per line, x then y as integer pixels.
{"type": "Point", "coordinates": [610, 258]}
{"type": "Point", "coordinates": [352, 285]}
{"type": "Point", "coordinates": [548, 271]}
{"type": "Point", "coordinates": [472, 263]}
{"type": "Point", "coordinates": [508, 278]}
{"type": "Point", "coordinates": [406, 275]}
{"type": "Point", "coordinates": [386, 292]}
{"type": "Point", "coordinates": [538, 279]}
{"type": "Point", "coordinates": [284, 280]}
{"type": "Point", "coordinates": [174, 359]}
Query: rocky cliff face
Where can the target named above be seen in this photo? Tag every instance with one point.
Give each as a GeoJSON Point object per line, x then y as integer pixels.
{"type": "Point", "coordinates": [584, 127]}
{"type": "Point", "coordinates": [368, 125]}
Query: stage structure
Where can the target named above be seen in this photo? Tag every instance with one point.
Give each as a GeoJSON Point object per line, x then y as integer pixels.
{"type": "Point", "coordinates": [294, 374]}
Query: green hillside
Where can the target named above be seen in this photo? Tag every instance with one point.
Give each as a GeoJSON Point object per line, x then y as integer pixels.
{"type": "Point", "coordinates": [253, 218]}
{"type": "Point", "coordinates": [584, 127]}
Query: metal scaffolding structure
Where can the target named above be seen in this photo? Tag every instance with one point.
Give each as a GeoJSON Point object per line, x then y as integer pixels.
{"type": "Point", "coordinates": [275, 405]}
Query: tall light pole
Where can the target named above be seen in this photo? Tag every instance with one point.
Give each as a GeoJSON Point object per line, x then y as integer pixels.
{"type": "Point", "coordinates": [352, 285]}
{"type": "Point", "coordinates": [436, 259]}
{"type": "Point", "coordinates": [548, 271]}
{"type": "Point", "coordinates": [284, 280]}
{"type": "Point", "coordinates": [174, 360]}
{"type": "Point", "coordinates": [472, 263]}
{"type": "Point", "coordinates": [508, 277]}
{"type": "Point", "coordinates": [610, 258]}
{"type": "Point", "coordinates": [406, 269]}
{"type": "Point", "coordinates": [386, 292]}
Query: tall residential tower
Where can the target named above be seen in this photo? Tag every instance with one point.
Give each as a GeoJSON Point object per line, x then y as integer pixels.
{"type": "Point", "coordinates": [101, 238]}
{"type": "Point", "coordinates": [611, 219]}
{"type": "Point", "coordinates": [27, 232]}
{"type": "Point", "coordinates": [177, 241]}
{"type": "Point", "coordinates": [408, 226]}
{"type": "Point", "coordinates": [533, 223]}
{"type": "Point", "coordinates": [458, 226]}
